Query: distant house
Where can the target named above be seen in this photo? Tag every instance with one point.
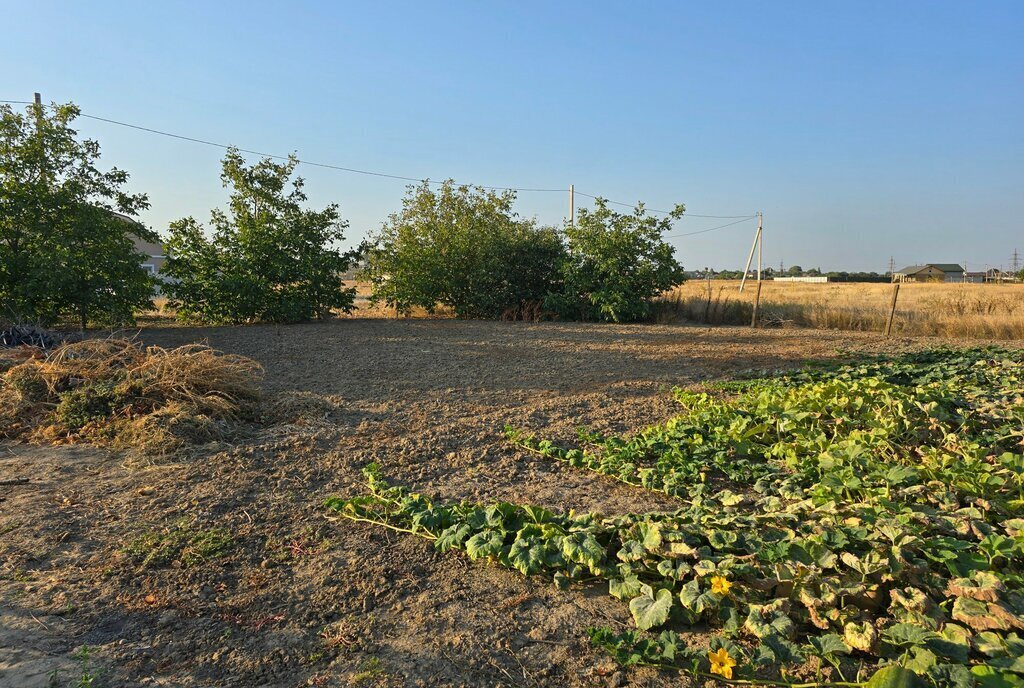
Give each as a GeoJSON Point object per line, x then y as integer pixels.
{"type": "Point", "coordinates": [155, 257]}
{"type": "Point", "coordinates": [931, 272]}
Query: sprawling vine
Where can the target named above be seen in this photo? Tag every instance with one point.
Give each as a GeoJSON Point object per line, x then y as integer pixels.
{"type": "Point", "coordinates": [853, 521]}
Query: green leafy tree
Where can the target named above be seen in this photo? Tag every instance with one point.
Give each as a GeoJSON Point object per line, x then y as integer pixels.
{"type": "Point", "coordinates": [66, 248]}
{"type": "Point", "coordinates": [269, 259]}
{"type": "Point", "coordinates": [616, 263]}
{"type": "Point", "coordinates": [795, 271]}
{"type": "Point", "coordinates": [465, 248]}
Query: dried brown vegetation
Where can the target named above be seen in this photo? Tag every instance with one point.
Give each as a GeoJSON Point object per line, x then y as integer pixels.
{"type": "Point", "coordinates": [117, 392]}
{"type": "Point", "coordinates": [984, 311]}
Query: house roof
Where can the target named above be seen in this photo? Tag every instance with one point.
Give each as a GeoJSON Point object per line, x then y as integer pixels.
{"type": "Point", "coordinates": [943, 267]}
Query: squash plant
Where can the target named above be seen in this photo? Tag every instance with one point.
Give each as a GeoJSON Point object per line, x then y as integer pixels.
{"type": "Point", "coordinates": [859, 521]}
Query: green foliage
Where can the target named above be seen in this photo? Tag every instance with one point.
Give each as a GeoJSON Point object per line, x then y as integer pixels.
{"type": "Point", "coordinates": [872, 520]}
{"type": "Point", "coordinates": [66, 249]}
{"type": "Point", "coordinates": [616, 263]}
{"type": "Point", "coordinates": [269, 259]}
{"type": "Point", "coordinates": [181, 543]}
{"type": "Point", "coordinates": [97, 401]}
{"type": "Point", "coordinates": [464, 248]}
{"type": "Point", "coordinates": [27, 381]}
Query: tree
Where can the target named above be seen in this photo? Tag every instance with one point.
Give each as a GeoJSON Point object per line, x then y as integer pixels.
{"type": "Point", "coordinates": [65, 226]}
{"type": "Point", "coordinates": [616, 263]}
{"type": "Point", "coordinates": [795, 271]}
{"type": "Point", "coordinates": [269, 259]}
{"type": "Point", "coordinates": [462, 247]}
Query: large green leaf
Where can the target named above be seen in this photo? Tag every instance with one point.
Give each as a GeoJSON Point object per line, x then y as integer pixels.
{"type": "Point", "coordinates": [893, 676]}
{"type": "Point", "coordinates": [529, 555]}
{"type": "Point", "coordinates": [990, 677]}
{"type": "Point", "coordinates": [453, 537]}
{"type": "Point", "coordinates": [486, 543]}
{"type": "Point", "coordinates": [694, 599]}
{"type": "Point", "coordinates": [769, 619]}
{"type": "Point", "coordinates": [651, 610]}
{"type": "Point", "coordinates": [583, 548]}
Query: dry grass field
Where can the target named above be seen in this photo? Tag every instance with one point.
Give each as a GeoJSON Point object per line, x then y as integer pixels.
{"type": "Point", "coordinates": [975, 311]}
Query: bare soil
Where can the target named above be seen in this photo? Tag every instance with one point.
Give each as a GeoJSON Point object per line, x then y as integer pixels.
{"type": "Point", "coordinates": [300, 599]}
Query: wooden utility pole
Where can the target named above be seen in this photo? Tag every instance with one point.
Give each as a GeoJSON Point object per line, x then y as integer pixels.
{"type": "Point", "coordinates": [760, 250]}
{"type": "Point", "coordinates": [572, 205]}
{"type": "Point", "coordinates": [38, 100]}
{"type": "Point", "coordinates": [750, 258]}
{"type": "Point", "coordinates": [892, 308]}
{"type": "Point", "coordinates": [754, 319]}
{"type": "Point", "coordinates": [757, 306]}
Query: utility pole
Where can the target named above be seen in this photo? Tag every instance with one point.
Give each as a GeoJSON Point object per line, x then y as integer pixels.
{"type": "Point", "coordinates": [750, 258]}
{"type": "Point", "coordinates": [760, 247]}
{"type": "Point", "coordinates": [38, 100]}
{"type": "Point", "coordinates": [1016, 262]}
{"type": "Point", "coordinates": [572, 205]}
{"type": "Point", "coordinates": [892, 269]}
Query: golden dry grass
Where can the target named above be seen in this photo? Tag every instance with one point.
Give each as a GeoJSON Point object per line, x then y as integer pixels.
{"type": "Point", "coordinates": [984, 311]}
{"type": "Point", "coordinates": [115, 391]}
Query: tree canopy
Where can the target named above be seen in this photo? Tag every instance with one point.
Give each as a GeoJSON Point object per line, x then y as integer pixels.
{"type": "Point", "coordinates": [269, 258]}
{"type": "Point", "coordinates": [66, 248]}
{"type": "Point", "coordinates": [462, 247]}
{"type": "Point", "coordinates": [616, 263]}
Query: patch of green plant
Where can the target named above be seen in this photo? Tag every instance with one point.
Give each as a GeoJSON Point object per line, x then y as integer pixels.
{"type": "Point", "coordinates": [27, 381]}
{"type": "Point", "coordinates": [89, 403]}
{"type": "Point", "coordinates": [181, 542]}
{"type": "Point", "coordinates": [368, 671]}
{"type": "Point", "coordinates": [851, 521]}
{"type": "Point", "coordinates": [88, 674]}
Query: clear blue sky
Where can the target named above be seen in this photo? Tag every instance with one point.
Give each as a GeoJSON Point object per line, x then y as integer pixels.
{"type": "Point", "coordinates": [862, 130]}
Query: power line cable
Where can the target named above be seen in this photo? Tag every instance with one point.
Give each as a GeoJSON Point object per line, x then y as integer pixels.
{"type": "Point", "coordinates": [372, 173]}
{"type": "Point", "coordinates": [664, 212]}
{"type": "Point", "coordinates": [282, 157]}
{"type": "Point", "coordinates": [711, 229]}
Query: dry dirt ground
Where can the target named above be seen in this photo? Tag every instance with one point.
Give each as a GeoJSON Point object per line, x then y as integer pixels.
{"type": "Point", "coordinates": [296, 598]}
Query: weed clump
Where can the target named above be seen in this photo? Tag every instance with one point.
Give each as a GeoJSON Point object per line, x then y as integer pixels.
{"type": "Point", "coordinates": [116, 392]}
{"type": "Point", "coordinates": [180, 543]}
{"type": "Point", "coordinates": [27, 382]}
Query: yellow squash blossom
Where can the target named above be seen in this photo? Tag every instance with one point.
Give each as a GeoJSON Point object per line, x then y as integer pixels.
{"type": "Point", "coordinates": [721, 663]}
{"type": "Point", "coordinates": [720, 585]}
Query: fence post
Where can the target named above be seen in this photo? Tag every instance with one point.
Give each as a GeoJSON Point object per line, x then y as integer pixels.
{"type": "Point", "coordinates": [892, 308]}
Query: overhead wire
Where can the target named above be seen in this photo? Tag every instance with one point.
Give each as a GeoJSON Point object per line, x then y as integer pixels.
{"type": "Point", "coordinates": [710, 229]}
{"type": "Point", "coordinates": [354, 170]}
{"type": "Point", "coordinates": [654, 210]}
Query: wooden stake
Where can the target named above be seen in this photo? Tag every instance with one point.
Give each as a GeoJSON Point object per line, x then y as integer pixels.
{"type": "Point", "coordinates": [892, 308]}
